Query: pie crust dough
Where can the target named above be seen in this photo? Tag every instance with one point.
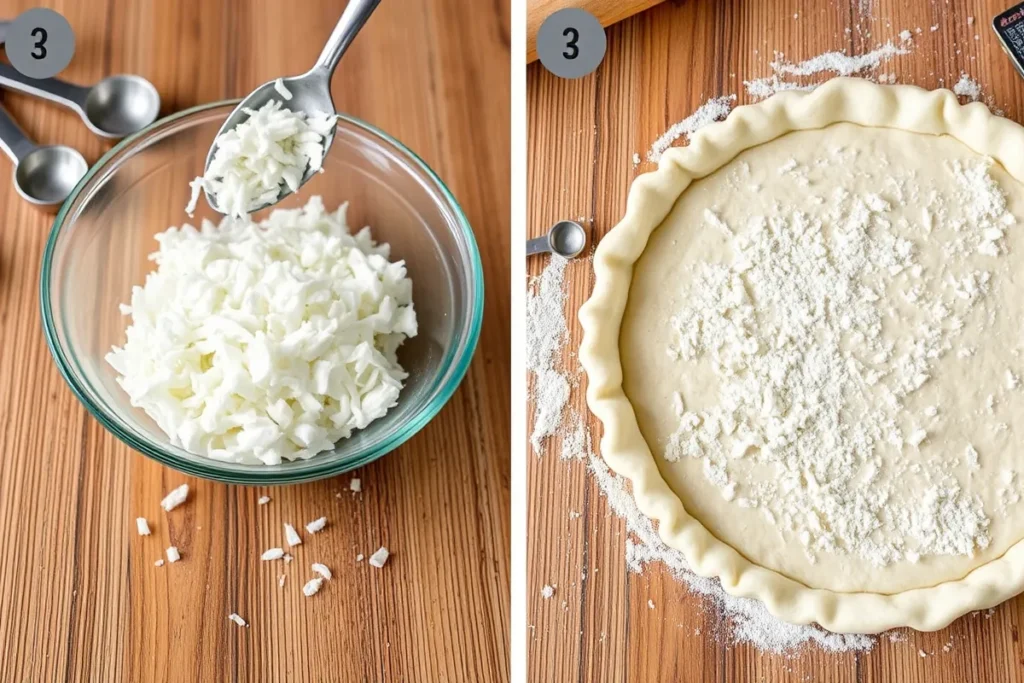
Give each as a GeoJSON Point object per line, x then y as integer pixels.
{"type": "Point", "coordinates": [651, 199]}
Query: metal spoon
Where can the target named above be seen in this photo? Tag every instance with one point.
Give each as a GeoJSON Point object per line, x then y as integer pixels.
{"type": "Point", "coordinates": [311, 92]}
{"type": "Point", "coordinates": [565, 238]}
{"type": "Point", "coordinates": [43, 174]}
{"type": "Point", "coordinates": [113, 108]}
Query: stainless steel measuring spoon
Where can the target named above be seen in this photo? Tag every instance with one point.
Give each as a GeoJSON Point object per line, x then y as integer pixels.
{"type": "Point", "coordinates": [565, 238]}
{"type": "Point", "coordinates": [113, 108]}
{"type": "Point", "coordinates": [311, 92]}
{"type": "Point", "coordinates": [43, 174]}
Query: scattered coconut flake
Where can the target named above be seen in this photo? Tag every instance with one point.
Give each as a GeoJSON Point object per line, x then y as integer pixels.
{"type": "Point", "coordinates": [282, 90]}
{"type": "Point", "coordinates": [237, 619]}
{"type": "Point", "coordinates": [175, 498]}
{"type": "Point", "coordinates": [159, 563]}
{"type": "Point", "coordinates": [272, 554]}
{"type": "Point", "coordinates": [322, 570]}
{"type": "Point", "coordinates": [287, 558]}
{"type": "Point", "coordinates": [280, 581]}
{"type": "Point", "coordinates": [905, 35]}
{"type": "Point", "coordinates": [316, 525]}
{"type": "Point", "coordinates": [142, 525]}
{"type": "Point", "coordinates": [359, 557]}
{"type": "Point", "coordinates": [263, 500]}
{"type": "Point", "coordinates": [291, 535]}
{"type": "Point", "coordinates": [650, 604]}
{"type": "Point", "coordinates": [312, 587]}
{"type": "Point", "coordinates": [380, 557]}
{"type": "Point", "coordinates": [173, 555]}
{"type": "Point", "coordinates": [356, 485]}
{"type": "Point", "coordinates": [547, 591]}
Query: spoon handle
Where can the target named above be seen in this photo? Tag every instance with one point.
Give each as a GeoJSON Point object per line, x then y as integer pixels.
{"type": "Point", "coordinates": [12, 138]}
{"type": "Point", "coordinates": [352, 20]}
{"type": "Point", "coordinates": [538, 245]}
{"type": "Point", "coordinates": [53, 89]}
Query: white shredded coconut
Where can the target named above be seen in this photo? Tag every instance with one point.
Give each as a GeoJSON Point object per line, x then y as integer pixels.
{"type": "Point", "coordinates": [263, 500]}
{"type": "Point", "coordinates": [159, 563]}
{"type": "Point", "coordinates": [547, 591]}
{"type": "Point", "coordinates": [173, 555]}
{"type": "Point", "coordinates": [271, 148]}
{"type": "Point", "coordinates": [280, 581]}
{"type": "Point", "coordinates": [175, 498]}
{"type": "Point", "coordinates": [143, 526]}
{"type": "Point", "coordinates": [237, 619]}
{"type": "Point", "coordinates": [355, 485]}
{"type": "Point", "coordinates": [380, 557]}
{"type": "Point", "coordinates": [322, 570]}
{"type": "Point", "coordinates": [316, 525]}
{"type": "Point", "coordinates": [312, 587]}
{"type": "Point", "coordinates": [359, 557]}
{"type": "Point", "coordinates": [259, 343]}
{"type": "Point", "coordinates": [282, 89]}
{"type": "Point", "coordinates": [272, 554]}
{"type": "Point", "coordinates": [291, 535]}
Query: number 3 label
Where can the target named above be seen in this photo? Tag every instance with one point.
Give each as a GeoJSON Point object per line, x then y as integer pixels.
{"type": "Point", "coordinates": [571, 43]}
{"type": "Point", "coordinates": [40, 43]}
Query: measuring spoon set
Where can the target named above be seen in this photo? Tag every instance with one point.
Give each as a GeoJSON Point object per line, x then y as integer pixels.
{"type": "Point", "coordinates": [115, 107]}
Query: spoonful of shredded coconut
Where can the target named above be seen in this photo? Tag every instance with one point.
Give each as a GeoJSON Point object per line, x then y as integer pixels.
{"type": "Point", "coordinates": [276, 139]}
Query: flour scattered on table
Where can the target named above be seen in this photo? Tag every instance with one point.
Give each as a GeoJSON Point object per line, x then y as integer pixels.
{"type": "Point", "coordinates": [967, 87]}
{"type": "Point", "coordinates": [547, 591]}
{"type": "Point", "coordinates": [713, 110]}
{"type": "Point", "coordinates": [546, 335]}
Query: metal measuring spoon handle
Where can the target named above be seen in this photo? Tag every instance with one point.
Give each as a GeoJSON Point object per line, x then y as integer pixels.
{"type": "Point", "coordinates": [538, 245]}
{"type": "Point", "coordinates": [13, 140]}
{"type": "Point", "coordinates": [53, 89]}
{"type": "Point", "coordinates": [352, 20]}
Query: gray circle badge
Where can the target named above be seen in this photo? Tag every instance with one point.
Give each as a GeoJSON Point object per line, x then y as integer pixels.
{"type": "Point", "coordinates": [571, 43]}
{"type": "Point", "coordinates": [40, 43]}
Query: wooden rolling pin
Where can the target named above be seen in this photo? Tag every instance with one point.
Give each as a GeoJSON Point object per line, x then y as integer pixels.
{"type": "Point", "coordinates": [607, 12]}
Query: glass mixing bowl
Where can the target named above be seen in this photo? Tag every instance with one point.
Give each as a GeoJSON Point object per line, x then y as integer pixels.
{"type": "Point", "coordinates": [101, 238]}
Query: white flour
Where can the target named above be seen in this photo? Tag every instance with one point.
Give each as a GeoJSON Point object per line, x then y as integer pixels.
{"type": "Point", "coordinates": [967, 87]}
{"type": "Point", "coordinates": [744, 620]}
{"type": "Point", "coordinates": [546, 335]}
{"type": "Point", "coordinates": [713, 110]}
{"type": "Point", "coordinates": [784, 329]}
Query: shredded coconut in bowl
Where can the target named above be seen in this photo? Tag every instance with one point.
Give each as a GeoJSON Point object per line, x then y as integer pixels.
{"type": "Point", "coordinates": [259, 343]}
{"type": "Point", "coordinates": [253, 160]}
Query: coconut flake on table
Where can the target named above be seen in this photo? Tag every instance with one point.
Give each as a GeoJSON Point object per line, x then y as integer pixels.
{"type": "Point", "coordinates": [173, 555]}
{"type": "Point", "coordinates": [322, 570]}
{"type": "Point", "coordinates": [291, 535]}
{"type": "Point", "coordinates": [142, 526]}
{"type": "Point", "coordinates": [269, 150]}
{"type": "Point", "coordinates": [175, 498]}
{"type": "Point", "coordinates": [272, 554]}
{"type": "Point", "coordinates": [263, 500]}
{"type": "Point", "coordinates": [356, 485]}
{"type": "Point", "coordinates": [237, 619]}
{"type": "Point", "coordinates": [380, 557]}
{"type": "Point", "coordinates": [316, 525]}
{"type": "Point", "coordinates": [259, 343]}
{"type": "Point", "coordinates": [312, 587]}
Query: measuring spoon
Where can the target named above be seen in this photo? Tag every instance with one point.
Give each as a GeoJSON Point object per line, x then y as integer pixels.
{"type": "Point", "coordinates": [565, 238]}
{"type": "Point", "coordinates": [311, 92]}
{"type": "Point", "coordinates": [113, 108]}
{"type": "Point", "coordinates": [43, 174]}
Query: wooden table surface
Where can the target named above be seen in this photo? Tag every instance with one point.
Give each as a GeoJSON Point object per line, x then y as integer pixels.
{"type": "Point", "coordinates": [659, 67]}
{"type": "Point", "coordinates": [80, 598]}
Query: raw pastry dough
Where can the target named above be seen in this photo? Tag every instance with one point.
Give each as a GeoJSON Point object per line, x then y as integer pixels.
{"type": "Point", "coordinates": [631, 380]}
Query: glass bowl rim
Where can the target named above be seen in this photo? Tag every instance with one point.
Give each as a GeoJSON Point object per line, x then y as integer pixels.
{"type": "Point", "coordinates": [256, 475]}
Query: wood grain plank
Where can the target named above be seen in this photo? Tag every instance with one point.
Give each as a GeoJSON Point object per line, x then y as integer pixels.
{"type": "Point", "coordinates": [660, 65]}
{"type": "Point", "coordinates": [81, 597]}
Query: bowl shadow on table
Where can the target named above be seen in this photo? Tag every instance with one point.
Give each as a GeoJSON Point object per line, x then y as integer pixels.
{"type": "Point", "coordinates": [112, 234]}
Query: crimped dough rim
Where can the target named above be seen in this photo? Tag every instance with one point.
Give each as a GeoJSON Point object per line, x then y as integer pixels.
{"type": "Point", "coordinates": [623, 447]}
